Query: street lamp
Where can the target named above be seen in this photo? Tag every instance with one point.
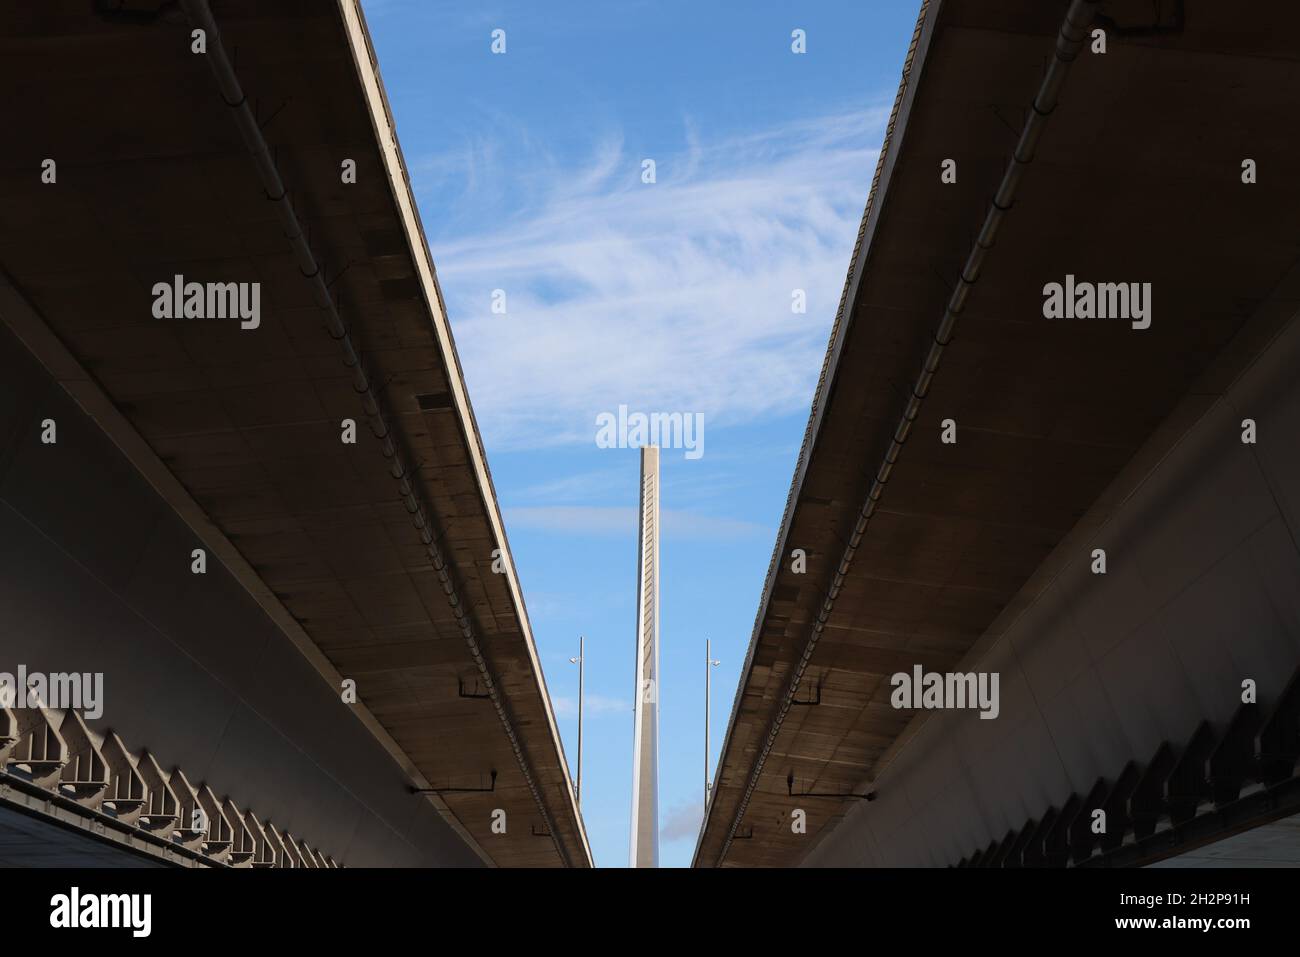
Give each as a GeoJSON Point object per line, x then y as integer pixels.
{"type": "Point", "coordinates": [709, 662]}
{"type": "Point", "coordinates": [580, 661]}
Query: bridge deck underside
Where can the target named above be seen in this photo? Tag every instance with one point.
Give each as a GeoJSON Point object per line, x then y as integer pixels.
{"type": "Point", "coordinates": [27, 841]}
{"type": "Point", "coordinates": [1137, 179]}
{"type": "Point", "coordinates": [153, 180]}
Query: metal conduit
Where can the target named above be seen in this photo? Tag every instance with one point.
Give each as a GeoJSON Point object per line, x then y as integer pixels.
{"type": "Point", "coordinates": [1069, 41]}
{"type": "Point", "coordinates": [200, 15]}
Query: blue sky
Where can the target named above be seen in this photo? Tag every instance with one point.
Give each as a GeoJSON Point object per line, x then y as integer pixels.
{"type": "Point", "coordinates": [673, 297]}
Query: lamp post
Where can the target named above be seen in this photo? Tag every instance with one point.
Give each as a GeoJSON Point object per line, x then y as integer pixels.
{"type": "Point", "coordinates": [580, 661]}
{"type": "Point", "coordinates": [709, 662]}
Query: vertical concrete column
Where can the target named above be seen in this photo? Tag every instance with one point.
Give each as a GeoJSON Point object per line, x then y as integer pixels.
{"type": "Point", "coordinates": [645, 734]}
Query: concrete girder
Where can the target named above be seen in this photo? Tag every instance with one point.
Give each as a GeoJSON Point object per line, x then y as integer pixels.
{"type": "Point", "coordinates": [97, 779]}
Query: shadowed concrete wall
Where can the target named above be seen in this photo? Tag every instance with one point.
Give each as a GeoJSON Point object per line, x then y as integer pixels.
{"type": "Point", "coordinates": [1202, 591]}
{"type": "Point", "coordinates": [95, 577]}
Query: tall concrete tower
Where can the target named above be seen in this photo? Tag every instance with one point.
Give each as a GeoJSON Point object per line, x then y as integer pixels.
{"type": "Point", "coordinates": [645, 723]}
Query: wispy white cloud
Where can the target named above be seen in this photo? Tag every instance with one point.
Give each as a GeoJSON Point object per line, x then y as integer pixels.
{"type": "Point", "coordinates": [619, 520]}
{"type": "Point", "coordinates": [674, 296]}
{"type": "Point", "coordinates": [592, 704]}
{"type": "Point", "coordinates": [594, 484]}
{"type": "Point", "coordinates": [682, 822]}
{"type": "Point", "coordinates": [583, 486]}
